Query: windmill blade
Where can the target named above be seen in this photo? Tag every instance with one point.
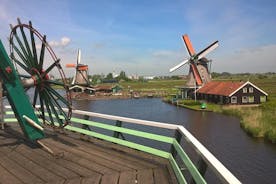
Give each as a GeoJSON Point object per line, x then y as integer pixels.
{"type": "Point", "coordinates": [179, 65]}
{"type": "Point", "coordinates": [196, 74]}
{"type": "Point", "coordinates": [188, 44]}
{"type": "Point", "coordinates": [207, 50]}
{"type": "Point", "coordinates": [79, 56]}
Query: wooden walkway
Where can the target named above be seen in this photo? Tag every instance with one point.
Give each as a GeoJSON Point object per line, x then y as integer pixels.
{"type": "Point", "coordinates": [78, 161]}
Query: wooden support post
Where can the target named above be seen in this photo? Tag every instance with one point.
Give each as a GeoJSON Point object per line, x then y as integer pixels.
{"type": "Point", "coordinates": [86, 127]}
{"type": "Point", "coordinates": [202, 168]}
{"type": "Point", "coordinates": [117, 134]}
{"type": "Point", "coordinates": [178, 138]}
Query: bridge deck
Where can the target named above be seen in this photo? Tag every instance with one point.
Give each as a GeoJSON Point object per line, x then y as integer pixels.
{"type": "Point", "coordinates": [79, 161]}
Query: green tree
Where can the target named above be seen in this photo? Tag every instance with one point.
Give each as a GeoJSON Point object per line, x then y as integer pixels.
{"type": "Point", "coordinates": [109, 76]}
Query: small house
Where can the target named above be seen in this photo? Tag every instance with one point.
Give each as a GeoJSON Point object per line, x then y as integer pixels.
{"type": "Point", "coordinates": [108, 89]}
{"type": "Point", "coordinates": [234, 93]}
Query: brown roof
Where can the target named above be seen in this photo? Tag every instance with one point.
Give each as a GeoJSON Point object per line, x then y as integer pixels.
{"type": "Point", "coordinates": [224, 88]}
{"type": "Point", "coordinates": [104, 87]}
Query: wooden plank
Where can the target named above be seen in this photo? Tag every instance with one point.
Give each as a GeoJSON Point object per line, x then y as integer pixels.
{"type": "Point", "coordinates": [91, 180]}
{"type": "Point", "coordinates": [74, 181]}
{"type": "Point", "coordinates": [16, 169]}
{"type": "Point", "coordinates": [110, 179]}
{"type": "Point", "coordinates": [146, 157]}
{"type": "Point", "coordinates": [112, 155]}
{"type": "Point", "coordinates": [8, 178]}
{"type": "Point", "coordinates": [90, 157]}
{"type": "Point", "coordinates": [127, 177]}
{"type": "Point", "coordinates": [49, 162]}
{"type": "Point", "coordinates": [145, 176]}
{"type": "Point", "coordinates": [161, 176]}
{"type": "Point", "coordinates": [69, 165]}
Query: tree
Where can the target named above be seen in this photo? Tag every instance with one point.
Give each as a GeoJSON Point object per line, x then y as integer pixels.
{"type": "Point", "coordinates": [109, 76]}
{"type": "Point", "coordinates": [122, 76]}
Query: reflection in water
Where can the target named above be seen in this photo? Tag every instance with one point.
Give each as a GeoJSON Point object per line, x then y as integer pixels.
{"type": "Point", "coordinates": [251, 160]}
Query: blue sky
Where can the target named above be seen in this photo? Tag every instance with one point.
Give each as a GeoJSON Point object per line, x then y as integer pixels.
{"type": "Point", "coordinates": [144, 37]}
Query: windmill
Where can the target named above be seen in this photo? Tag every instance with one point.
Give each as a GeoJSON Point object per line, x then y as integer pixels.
{"type": "Point", "coordinates": [81, 73]}
{"type": "Point", "coordinates": [198, 72]}
{"type": "Point", "coordinates": [80, 82]}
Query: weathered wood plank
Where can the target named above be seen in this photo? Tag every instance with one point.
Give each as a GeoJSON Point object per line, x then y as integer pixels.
{"type": "Point", "coordinates": [74, 181]}
{"type": "Point", "coordinates": [49, 162]}
{"type": "Point", "coordinates": [109, 154]}
{"type": "Point", "coordinates": [16, 169]}
{"type": "Point", "coordinates": [161, 176]}
{"type": "Point", "coordinates": [110, 179]}
{"type": "Point", "coordinates": [91, 180]}
{"type": "Point", "coordinates": [127, 177]}
{"type": "Point", "coordinates": [7, 178]}
{"type": "Point", "coordinates": [145, 176]}
{"type": "Point", "coordinates": [90, 157]}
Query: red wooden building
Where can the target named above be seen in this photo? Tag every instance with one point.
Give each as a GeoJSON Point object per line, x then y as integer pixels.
{"type": "Point", "coordinates": [226, 92]}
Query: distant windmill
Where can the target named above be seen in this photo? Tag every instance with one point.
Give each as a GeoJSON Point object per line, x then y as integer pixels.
{"type": "Point", "coordinates": [198, 72]}
{"type": "Point", "coordinates": [81, 73]}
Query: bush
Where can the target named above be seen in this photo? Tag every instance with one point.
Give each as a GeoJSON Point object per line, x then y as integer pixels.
{"type": "Point", "coordinates": [270, 135]}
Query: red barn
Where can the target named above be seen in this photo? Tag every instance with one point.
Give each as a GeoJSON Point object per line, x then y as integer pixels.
{"type": "Point", "coordinates": [225, 92]}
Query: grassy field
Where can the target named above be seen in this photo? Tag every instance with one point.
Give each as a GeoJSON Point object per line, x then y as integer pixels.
{"type": "Point", "coordinates": [165, 87]}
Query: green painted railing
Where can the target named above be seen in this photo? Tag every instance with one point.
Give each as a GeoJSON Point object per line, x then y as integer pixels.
{"type": "Point", "coordinates": [210, 160]}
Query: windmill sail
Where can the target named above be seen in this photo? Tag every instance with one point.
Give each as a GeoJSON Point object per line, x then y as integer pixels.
{"type": "Point", "coordinates": [198, 68]}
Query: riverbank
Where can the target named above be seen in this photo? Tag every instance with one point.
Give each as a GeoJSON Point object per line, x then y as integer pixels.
{"type": "Point", "coordinates": [258, 121]}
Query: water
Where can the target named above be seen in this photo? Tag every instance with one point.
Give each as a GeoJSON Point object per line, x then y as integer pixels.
{"type": "Point", "coordinates": [250, 160]}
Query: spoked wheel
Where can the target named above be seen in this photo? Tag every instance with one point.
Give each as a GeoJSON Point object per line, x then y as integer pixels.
{"type": "Point", "coordinates": [40, 69]}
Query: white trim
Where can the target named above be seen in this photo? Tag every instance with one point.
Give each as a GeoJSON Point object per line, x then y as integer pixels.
{"type": "Point", "coordinates": [251, 85]}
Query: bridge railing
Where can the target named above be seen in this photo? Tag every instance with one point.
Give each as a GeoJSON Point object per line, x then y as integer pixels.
{"type": "Point", "coordinates": [207, 158]}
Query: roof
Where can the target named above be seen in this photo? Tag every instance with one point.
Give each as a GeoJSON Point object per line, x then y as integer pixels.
{"type": "Point", "coordinates": [106, 87]}
{"type": "Point", "coordinates": [225, 88]}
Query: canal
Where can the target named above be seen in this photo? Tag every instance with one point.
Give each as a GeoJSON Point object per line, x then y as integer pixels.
{"type": "Point", "coordinates": [250, 160]}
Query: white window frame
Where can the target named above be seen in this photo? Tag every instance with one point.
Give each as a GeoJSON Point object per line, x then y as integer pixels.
{"type": "Point", "coordinates": [244, 99]}
{"type": "Point", "coordinates": [234, 99]}
{"type": "Point", "coordinates": [244, 90]}
{"type": "Point", "coordinates": [251, 89]}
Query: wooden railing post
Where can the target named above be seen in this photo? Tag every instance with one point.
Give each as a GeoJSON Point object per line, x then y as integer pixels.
{"type": "Point", "coordinates": [117, 134]}
{"type": "Point", "coordinates": [86, 127]}
{"type": "Point", "coordinates": [178, 137]}
{"type": "Point", "coordinates": [202, 168]}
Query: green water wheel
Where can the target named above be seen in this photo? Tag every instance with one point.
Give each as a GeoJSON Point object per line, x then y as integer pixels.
{"type": "Point", "coordinates": [40, 70]}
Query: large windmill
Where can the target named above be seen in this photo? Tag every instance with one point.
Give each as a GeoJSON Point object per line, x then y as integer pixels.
{"type": "Point", "coordinates": [81, 73]}
{"type": "Point", "coordinates": [198, 72]}
{"type": "Point", "coordinates": [80, 82]}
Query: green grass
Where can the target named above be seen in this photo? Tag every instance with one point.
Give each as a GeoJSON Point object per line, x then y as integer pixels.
{"type": "Point", "coordinates": [165, 86]}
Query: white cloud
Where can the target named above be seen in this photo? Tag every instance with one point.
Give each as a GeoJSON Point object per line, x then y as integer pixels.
{"type": "Point", "coordinates": [64, 41]}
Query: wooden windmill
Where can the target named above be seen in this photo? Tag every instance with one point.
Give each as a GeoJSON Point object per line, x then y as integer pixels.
{"type": "Point", "coordinates": [198, 73]}
{"type": "Point", "coordinates": [81, 74]}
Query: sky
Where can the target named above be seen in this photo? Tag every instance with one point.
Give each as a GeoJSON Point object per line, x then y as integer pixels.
{"type": "Point", "coordinates": [144, 37]}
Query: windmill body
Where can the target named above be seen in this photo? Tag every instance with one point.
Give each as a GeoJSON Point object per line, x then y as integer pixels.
{"type": "Point", "coordinates": [80, 82]}
{"type": "Point", "coordinates": [198, 72]}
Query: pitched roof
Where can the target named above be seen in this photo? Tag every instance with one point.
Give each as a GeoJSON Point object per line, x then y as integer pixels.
{"type": "Point", "coordinates": [224, 88]}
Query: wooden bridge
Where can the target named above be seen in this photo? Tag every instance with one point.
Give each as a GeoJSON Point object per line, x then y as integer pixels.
{"type": "Point", "coordinates": [104, 151]}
